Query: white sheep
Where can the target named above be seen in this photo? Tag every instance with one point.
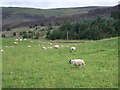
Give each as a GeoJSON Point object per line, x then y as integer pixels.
{"type": "Point", "coordinates": [56, 46]}
{"type": "Point", "coordinates": [43, 47]}
{"type": "Point", "coordinates": [31, 41]}
{"type": "Point", "coordinates": [6, 46]}
{"type": "Point", "coordinates": [16, 39]}
{"type": "Point", "coordinates": [50, 43]}
{"type": "Point", "coordinates": [20, 39]}
{"type": "Point", "coordinates": [77, 62]}
{"type": "Point", "coordinates": [29, 46]}
{"type": "Point", "coordinates": [16, 43]}
{"type": "Point", "coordinates": [73, 49]}
{"type": "Point", "coordinates": [2, 50]}
{"type": "Point", "coordinates": [25, 39]}
{"type": "Point", "coordinates": [50, 47]}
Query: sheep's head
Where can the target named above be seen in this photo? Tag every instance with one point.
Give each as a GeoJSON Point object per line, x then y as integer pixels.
{"type": "Point", "coordinates": [70, 61]}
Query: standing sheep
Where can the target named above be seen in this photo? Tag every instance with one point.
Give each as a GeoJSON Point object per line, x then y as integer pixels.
{"type": "Point", "coordinates": [43, 47]}
{"type": "Point", "coordinates": [16, 39]}
{"type": "Point", "coordinates": [73, 49]}
{"type": "Point", "coordinates": [29, 46]}
{"type": "Point", "coordinates": [56, 46]}
{"type": "Point", "coordinates": [16, 43]}
{"type": "Point", "coordinates": [77, 62]}
{"type": "Point", "coordinates": [2, 50]}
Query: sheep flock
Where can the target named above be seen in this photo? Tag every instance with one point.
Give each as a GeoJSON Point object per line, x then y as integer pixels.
{"type": "Point", "coordinates": [44, 46]}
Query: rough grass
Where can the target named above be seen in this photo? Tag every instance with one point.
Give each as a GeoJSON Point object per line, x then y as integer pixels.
{"type": "Point", "coordinates": [34, 67]}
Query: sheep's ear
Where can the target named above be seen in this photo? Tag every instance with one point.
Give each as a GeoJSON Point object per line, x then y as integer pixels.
{"type": "Point", "coordinates": [70, 61]}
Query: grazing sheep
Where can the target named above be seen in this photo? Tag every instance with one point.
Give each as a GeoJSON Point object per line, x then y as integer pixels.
{"type": "Point", "coordinates": [16, 39]}
{"type": "Point", "coordinates": [25, 39]}
{"type": "Point", "coordinates": [50, 43]}
{"type": "Point", "coordinates": [31, 41]}
{"type": "Point", "coordinates": [56, 46]}
{"type": "Point", "coordinates": [73, 49]}
{"type": "Point", "coordinates": [43, 47]}
{"type": "Point", "coordinates": [16, 43]}
{"type": "Point", "coordinates": [20, 39]}
{"type": "Point", "coordinates": [29, 46]}
{"type": "Point", "coordinates": [50, 47]}
{"type": "Point", "coordinates": [77, 62]}
{"type": "Point", "coordinates": [2, 50]}
{"type": "Point", "coordinates": [6, 46]}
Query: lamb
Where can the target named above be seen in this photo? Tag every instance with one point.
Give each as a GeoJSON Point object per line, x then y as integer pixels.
{"type": "Point", "coordinates": [77, 62]}
{"type": "Point", "coordinates": [56, 46]}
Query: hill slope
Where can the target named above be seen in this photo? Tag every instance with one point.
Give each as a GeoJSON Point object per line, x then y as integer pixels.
{"type": "Point", "coordinates": [12, 14]}
{"type": "Point", "coordinates": [14, 17]}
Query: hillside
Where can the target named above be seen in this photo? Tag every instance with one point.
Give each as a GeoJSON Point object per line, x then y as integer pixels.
{"type": "Point", "coordinates": [15, 17]}
{"type": "Point", "coordinates": [13, 14]}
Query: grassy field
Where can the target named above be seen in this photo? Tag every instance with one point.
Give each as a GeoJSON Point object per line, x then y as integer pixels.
{"type": "Point", "coordinates": [34, 67]}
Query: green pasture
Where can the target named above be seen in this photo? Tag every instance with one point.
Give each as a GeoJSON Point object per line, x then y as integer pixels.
{"type": "Point", "coordinates": [34, 67]}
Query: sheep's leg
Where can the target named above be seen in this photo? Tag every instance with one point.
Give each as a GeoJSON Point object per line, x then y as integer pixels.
{"type": "Point", "coordinates": [80, 66]}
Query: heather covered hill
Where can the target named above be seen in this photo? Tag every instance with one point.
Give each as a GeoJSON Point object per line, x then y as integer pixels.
{"type": "Point", "coordinates": [16, 17]}
{"type": "Point", "coordinates": [13, 14]}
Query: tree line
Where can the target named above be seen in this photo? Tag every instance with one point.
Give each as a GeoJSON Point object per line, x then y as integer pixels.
{"type": "Point", "coordinates": [96, 29]}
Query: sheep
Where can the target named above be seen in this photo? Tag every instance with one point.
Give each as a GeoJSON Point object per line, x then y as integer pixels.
{"type": "Point", "coordinates": [43, 47]}
{"type": "Point", "coordinates": [29, 46]}
{"type": "Point", "coordinates": [25, 39]}
{"type": "Point", "coordinates": [16, 43]}
{"type": "Point", "coordinates": [73, 49]}
{"type": "Point", "coordinates": [50, 47]}
{"type": "Point", "coordinates": [56, 46]}
{"type": "Point", "coordinates": [16, 39]}
{"type": "Point", "coordinates": [31, 41]}
{"type": "Point", "coordinates": [50, 43]}
{"type": "Point", "coordinates": [2, 50]}
{"type": "Point", "coordinates": [77, 62]}
{"type": "Point", "coordinates": [6, 46]}
{"type": "Point", "coordinates": [20, 39]}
